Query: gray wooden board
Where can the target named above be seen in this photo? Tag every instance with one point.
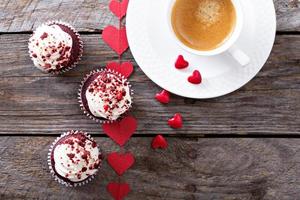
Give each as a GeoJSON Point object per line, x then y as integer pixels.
{"type": "Point", "coordinates": [32, 102]}
{"type": "Point", "coordinates": [189, 169]}
{"type": "Point", "coordinates": [35, 107]}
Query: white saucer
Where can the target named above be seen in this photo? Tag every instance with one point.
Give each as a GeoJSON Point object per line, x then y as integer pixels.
{"type": "Point", "coordinates": [155, 50]}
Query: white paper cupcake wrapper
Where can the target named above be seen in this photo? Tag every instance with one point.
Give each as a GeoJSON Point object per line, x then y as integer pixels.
{"type": "Point", "coordinates": [87, 113]}
{"type": "Point", "coordinates": [52, 172]}
{"type": "Point", "coordinates": [65, 69]}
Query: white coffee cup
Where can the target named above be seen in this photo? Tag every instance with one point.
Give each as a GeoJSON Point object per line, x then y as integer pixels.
{"type": "Point", "coordinates": [228, 45]}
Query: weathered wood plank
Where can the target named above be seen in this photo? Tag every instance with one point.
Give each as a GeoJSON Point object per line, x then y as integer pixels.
{"type": "Point", "coordinates": [188, 169]}
{"type": "Point", "coordinates": [32, 102]}
{"type": "Point", "coordinates": [93, 15]}
{"type": "Point", "coordinates": [288, 15]}
{"type": "Point", "coordinates": [26, 15]}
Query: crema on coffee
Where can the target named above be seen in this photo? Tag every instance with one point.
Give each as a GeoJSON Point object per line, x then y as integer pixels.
{"type": "Point", "coordinates": [203, 24]}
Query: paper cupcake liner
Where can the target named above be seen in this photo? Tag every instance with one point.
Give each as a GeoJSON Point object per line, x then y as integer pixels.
{"type": "Point", "coordinates": [86, 112]}
{"type": "Point", "coordinates": [53, 173]}
{"type": "Point", "coordinates": [75, 62]}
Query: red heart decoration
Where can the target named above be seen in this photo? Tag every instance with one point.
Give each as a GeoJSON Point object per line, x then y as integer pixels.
{"type": "Point", "coordinates": [121, 131]}
{"type": "Point", "coordinates": [120, 162]}
{"type": "Point", "coordinates": [119, 8]}
{"type": "Point", "coordinates": [115, 38]}
{"type": "Point", "coordinates": [163, 97]}
{"type": "Point", "coordinates": [159, 142]}
{"type": "Point", "coordinates": [176, 121]}
{"type": "Point", "coordinates": [118, 190]}
{"type": "Point", "coordinates": [195, 78]}
{"type": "Point", "coordinates": [181, 63]}
{"type": "Point", "coordinates": [126, 68]}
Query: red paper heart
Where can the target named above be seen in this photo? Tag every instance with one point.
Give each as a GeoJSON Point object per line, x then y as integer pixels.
{"type": "Point", "coordinates": [118, 8]}
{"type": "Point", "coordinates": [115, 38]}
{"type": "Point", "coordinates": [121, 131]}
{"type": "Point", "coordinates": [181, 63]}
{"type": "Point", "coordinates": [195, 78]}
{"type": "Point", "coordinates": [120, 162]}
{"type": "Point", "coordinates": [163, 97]}
{"type": "Point", "coordinates": [118, 190]}
{"type": "Point", "coordinates": [159, 142]}
{"type": "Point", "coordinates": [176, 121]}
{"type": "Point", "coordinates": [126, 68]}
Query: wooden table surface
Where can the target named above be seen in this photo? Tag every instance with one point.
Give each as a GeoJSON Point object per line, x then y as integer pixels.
{"type": "Point", "coordinates": [245, 145]}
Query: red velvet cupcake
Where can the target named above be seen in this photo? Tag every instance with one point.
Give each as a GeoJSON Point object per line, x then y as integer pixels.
{"type": "Point", "coordinates": [105, 95]}
{"type": "Point", "coordinates": [74, 158]}
{"type": "Point", "coordinates": [55, 47]}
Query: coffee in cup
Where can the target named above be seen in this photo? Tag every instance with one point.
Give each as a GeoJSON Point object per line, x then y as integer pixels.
{"type": "Point", "coordinates": [203, 24]}
{"type": "Point", "coordinates": [208, 27]}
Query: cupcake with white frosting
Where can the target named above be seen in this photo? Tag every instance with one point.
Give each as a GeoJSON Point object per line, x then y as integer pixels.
{"type": "Point", "coordinates": [74, 158]}
{"type": "Point", "coordinates": [105, 95]}
{"type": "Point", "coordinates": [55, 47]}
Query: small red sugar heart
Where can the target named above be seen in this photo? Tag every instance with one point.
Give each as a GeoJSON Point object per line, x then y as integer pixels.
{"type": "Point", "coordinates": [118, 8]}
{"type": "Point", "coordinates": [126, 68]}
{"type": "Point", "coordinates": [195, 78]}
{"type": "Point", "coordinates": [121, 131]}
{"type": "Point", "coordinates": [115, 38]}
{"type": "Point", "coordinates": [181, 63]}
{"type": "Point", "coordinates": [176, 121]}
{"type": "Point", "coordinates": [118, 190]}
{"type": "Point", "coordinates": [159, 142]}
{"type": "Point", "coordinates": [163, 97]}
{"type": "Point", "coordinates": [120, 162]}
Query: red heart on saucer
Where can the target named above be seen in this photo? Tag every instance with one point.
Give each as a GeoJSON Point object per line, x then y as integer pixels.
{"type": "Point", "coordinates": [115, 38]}
{"type": "Point", "coordinates": [195, 78]}
{"type": "Point", "coordinates": [118, 8]}
{"type": "Point", "coordinates": [126, 68]}
{"type": "Point", "coordinates": [118, 190]}
{"type": "Point", "coordinates": [163, 97]}
{"type": "Point", "coordinates": [159, 142]}
{"type": "Point", "coordinates": [120, 162]}
{"type": "Point", "coordinates": [181, 63]}
{"type": "Point", "coordinates": [176, 121]}
{"type": "Point", "coordinates": [121, 131]}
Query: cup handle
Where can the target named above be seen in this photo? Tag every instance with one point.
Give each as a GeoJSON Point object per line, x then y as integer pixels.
{"type": "Point", "coordinates": [239, 55]}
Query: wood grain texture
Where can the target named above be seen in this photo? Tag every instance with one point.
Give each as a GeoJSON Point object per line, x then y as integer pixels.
{"type": "Point", "coordinates": [32, 102]}
{"type": "Point", "coordinates": [93, 15]}
{"type": "Point", "coordinates": [288, 15]}
{"type": "Point", "coordinates": [188, 169]}
{"type": "Point", "coordinates": [26, 15]}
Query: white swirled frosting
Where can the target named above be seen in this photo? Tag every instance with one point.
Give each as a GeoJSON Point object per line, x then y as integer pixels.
{"type": "Point", "coordinates": [50, 47]}
{"type": "Point", "coordinates": [108, 96]}
{"type": "Point", "coordinates": [76, 157]}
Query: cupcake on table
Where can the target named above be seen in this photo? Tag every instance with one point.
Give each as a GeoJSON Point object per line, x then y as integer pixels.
{"type": "Point", "coordinates": [55, 47]}
{"type": "Point", "coordinates": [74, 158]}
{"type": "Point", "coordinates": [105, 95]}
